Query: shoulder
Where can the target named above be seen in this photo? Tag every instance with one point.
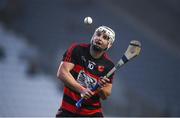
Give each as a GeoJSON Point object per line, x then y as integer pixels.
{"type": "Point", "coordinates": [78, 46]}
{"type": "Point", "coordinates": [81, 48]}
{"type": "Point", "coordinates": [85, 45]}
{"type": "Point", "coordinates": [76, 49]}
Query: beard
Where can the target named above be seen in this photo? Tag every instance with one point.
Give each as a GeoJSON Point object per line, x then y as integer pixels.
{"type": "Point", "coordinates": [97, 48]}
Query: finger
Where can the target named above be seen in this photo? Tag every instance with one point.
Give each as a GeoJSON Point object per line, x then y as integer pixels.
{"type": "Point", "coordinates": [107, 79]}
{"type": "Point", "coordinates": [87, 95]}
{"type": "Point", "coordinates": [100, 83]}
{"type": "Point", "coordinates": [84, 93]}
{"type": "Point", "coordinates": [103, 81]}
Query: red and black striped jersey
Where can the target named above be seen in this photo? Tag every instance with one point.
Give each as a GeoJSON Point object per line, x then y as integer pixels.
{"type": "Point", "coordinates": [86, 71]}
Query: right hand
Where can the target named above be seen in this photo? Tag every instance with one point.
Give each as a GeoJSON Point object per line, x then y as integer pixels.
{"type": "Point", "coordinates": [87, 93]}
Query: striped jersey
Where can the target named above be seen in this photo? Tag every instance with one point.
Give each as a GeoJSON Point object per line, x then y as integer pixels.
{"type": "Point", "coordinates": [86, 72]}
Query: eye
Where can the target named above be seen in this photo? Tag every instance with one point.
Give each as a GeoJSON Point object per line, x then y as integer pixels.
{"type": "Point", "coordinates": [105, 37]}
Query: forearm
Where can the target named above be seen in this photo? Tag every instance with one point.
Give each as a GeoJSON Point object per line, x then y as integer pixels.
{"type": "Point", "coordinates": [70, 82]}
{"type": "Point", "coordinates": [104, 92]}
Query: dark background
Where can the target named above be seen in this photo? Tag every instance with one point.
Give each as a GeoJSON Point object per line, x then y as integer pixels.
{"type": "Point", "coordinates": [146, 86]}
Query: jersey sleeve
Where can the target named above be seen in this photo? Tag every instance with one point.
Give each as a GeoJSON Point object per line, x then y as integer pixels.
{"type": "Point", "coordinates": [71, 54]}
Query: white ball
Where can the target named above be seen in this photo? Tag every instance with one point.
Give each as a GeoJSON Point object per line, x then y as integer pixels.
{"type": "Point", "coordinates": [88, 20]}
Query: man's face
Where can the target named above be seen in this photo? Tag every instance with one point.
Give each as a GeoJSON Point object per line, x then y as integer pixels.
{"type": "Point", "coordinates": [101, 41]}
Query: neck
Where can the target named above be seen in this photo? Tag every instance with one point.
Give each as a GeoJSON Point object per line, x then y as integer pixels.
{"type": "Point", "coordinates": [95, 54]}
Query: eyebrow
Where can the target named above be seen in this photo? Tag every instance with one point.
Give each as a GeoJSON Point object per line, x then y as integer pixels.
{"type": "Point", "coordinates": [103, 33]}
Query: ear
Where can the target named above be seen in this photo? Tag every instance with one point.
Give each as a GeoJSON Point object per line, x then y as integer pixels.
{"type": "Point", "coordinates": [109, 45]}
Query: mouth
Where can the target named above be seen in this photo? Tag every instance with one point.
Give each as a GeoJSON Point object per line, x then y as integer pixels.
{"type": "Point", "coordinates": [97, 46]}
{"type": "Point", "coordinates": [99, 43]}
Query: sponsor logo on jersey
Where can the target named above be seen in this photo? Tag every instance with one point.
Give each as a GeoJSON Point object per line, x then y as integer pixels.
{"type": "Point", "coordinates": [85, 80]}
{"type": "Point", "coordinates": [100, 68]}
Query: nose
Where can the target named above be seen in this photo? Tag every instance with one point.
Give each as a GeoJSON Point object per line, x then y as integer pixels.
{"type": "Point", "coordinates": [100, 37]}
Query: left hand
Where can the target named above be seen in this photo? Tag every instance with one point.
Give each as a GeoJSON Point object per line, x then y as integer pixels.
{"type": "Point", "coordinates": [103, 81]}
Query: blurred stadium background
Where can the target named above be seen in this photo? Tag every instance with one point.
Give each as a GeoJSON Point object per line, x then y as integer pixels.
{"type": "Point", "coordinates": [35, 33]}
